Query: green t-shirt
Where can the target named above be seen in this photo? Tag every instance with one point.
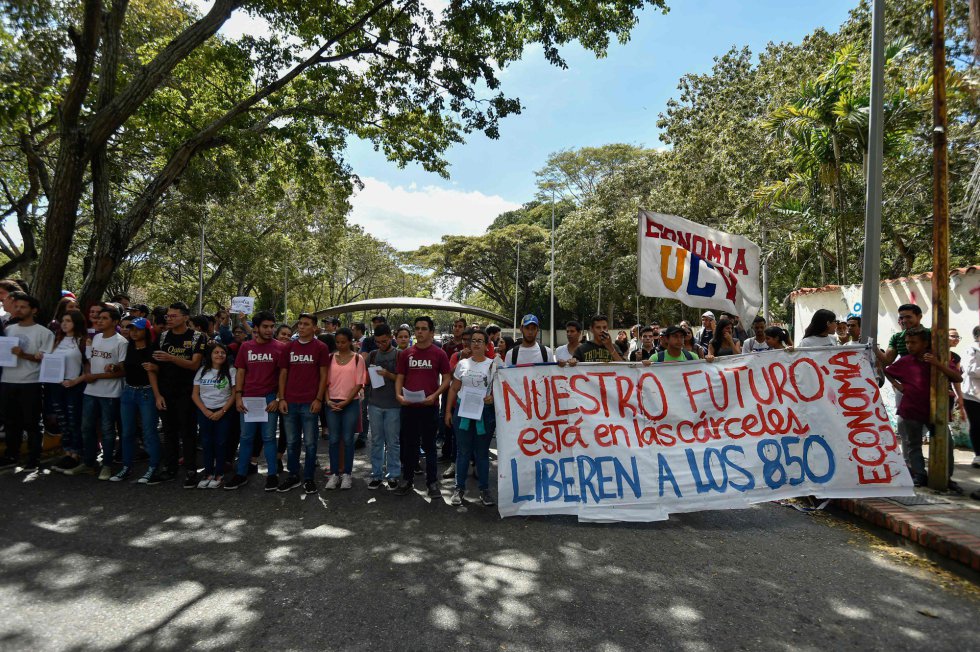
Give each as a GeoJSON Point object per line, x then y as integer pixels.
{"type": "Point", "coordinates": [669, 358]}
{"type": "Point", "coordinates": [897, 342]}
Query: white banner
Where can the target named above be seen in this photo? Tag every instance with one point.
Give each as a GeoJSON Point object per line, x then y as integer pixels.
{"type": "Point", "coordinates": [701, 267]}
{"type": "Point", "coordinates": [625, 442]}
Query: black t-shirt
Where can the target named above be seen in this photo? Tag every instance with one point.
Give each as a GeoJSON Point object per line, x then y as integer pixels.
{"type": "Point", "coordinates": [136, 375]}
{"type": "Point", "coordinates": [640, 354]}
{"type": "Point", "coordinates": [183, 346]}
{"type": "Point", "coordinates": [329, 340]}
{"type": "Point", "coordinates": [592, 352]}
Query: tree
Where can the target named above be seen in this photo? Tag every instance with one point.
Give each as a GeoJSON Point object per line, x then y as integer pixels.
{"type": "Point", "coordinates": [389, 71]}
{"type": "Point", "coordinates": [574, 174]}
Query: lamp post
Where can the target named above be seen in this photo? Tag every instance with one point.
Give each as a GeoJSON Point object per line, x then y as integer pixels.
{"type": "Point", "coordinates": [517, 285]}
{"type": "Point", "coordinates": [872, 208]}
{"type": "Point", "coordinates": [552, 321]}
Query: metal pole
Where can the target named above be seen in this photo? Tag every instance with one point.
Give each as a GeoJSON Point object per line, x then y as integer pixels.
{"type": "Point", "coordinates": [765, 278]}
{"type": "Point", "coordinates": [517, 285]}
{"type": "Point", "coordinates": [939, 452]}
{"type": "Point", "coordinates": [285, 292]}
{"type": "Point", "coordinates": [551, 328]}
{"type": "Point", "coordinates": [872, 207]}
{"type": "Point", "coordinates": [200, 271]}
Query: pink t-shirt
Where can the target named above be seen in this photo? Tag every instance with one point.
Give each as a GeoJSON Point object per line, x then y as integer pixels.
{"type": "Point", "coordinates": [342, 378]}
{"type": "Point", "coordinates": [303, 362]}
{"type": "Point", "coordinates": [916, 378]}
{"type": "Point", "coordinates": [421, 368]}
{"type": "Point", "coordinates": [261, 365]}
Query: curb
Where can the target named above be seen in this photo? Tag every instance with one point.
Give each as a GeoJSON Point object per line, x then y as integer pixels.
{"type": "Point", "coordinates": [927, 532]}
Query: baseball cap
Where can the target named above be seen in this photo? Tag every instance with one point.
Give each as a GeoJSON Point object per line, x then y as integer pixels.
{"type": "Point", "coordinates": [708, 314]}
{"type": "Point", "coordinates": [140, 323]}
{"type": "Point", "coordinates": [529, 319]}
{"type": "Point", "coordinates": [670, 330]}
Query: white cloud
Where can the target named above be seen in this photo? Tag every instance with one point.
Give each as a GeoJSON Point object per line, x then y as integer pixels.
{"type": "Point", "coordinates": [412, 216]}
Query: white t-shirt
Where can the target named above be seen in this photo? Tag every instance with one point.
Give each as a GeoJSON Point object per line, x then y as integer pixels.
{"type": "Point", "coordinates": [818, 340]}
{"type": "Point", "coordinates": [33, 338]}
{"type": "Point", "coordinates": [215, 392]}
{"type": "Point", "coordinates": [562, 354]}
{"type": "Point", "coordinates": [528, 355]}
{"type": "Point", "coordinates": [104, 352]}
{"type": "Point", "coordinates": [752, 344]}
{"type": "Point", "coordinates": [476, 374]}
{"type": "Point", "coordinates": [68, 349]}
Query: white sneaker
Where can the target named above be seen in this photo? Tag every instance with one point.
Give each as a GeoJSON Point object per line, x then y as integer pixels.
{"type": "Point", "coordinates": [105, 473]}
{"type": "Point", "coordinates": [214, 483]}
{"type": "Point", "coordinates": [347, 482]}
{"type": "Point", "coordinates": [333, 482]}
{"type": "Point", "coordinates": [203, 484]}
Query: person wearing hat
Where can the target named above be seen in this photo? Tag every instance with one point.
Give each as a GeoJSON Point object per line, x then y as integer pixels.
{"type": "Point", "coordinates": [675, 351]}
{"type": "Point", "coordinates": [139, 403]}
{"type": "Point", "coordinates": [601, 348]}
{"type": "Point", "coordinates": [707, 329]}
{"type": "Point", "coordinates": [529, 350]}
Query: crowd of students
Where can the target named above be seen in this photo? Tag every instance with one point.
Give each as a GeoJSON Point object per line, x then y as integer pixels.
{"type": "Point", "coordinates": [164, 385]}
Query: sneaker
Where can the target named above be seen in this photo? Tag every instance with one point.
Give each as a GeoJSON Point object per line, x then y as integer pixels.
{"type": "Point", "coordinates": [166, 475]}
{"type": "Point", "coordinates": [204, 483]}
{"type": "Point", "coordinates": [65, 463]}
{"type": "Point", "coordinates": [215, 483]}
{"type": "Point", "coordinates": [236, 482]}
{"type": "Point", "coordinates": [253, 469]}
{"type": "Point", "coordinates": [434, 491]}
{"type": "Point", "coordinates": [920, 480]}
{"type": "Point", "coordinates": [359, 443]}
{"type": "Point", "coordinates": [404, 488]}
{"type": "Point", "coordinates": [106, 472]}
{"type": "Point", "coordinates": [954, 488]}
{"type": "Point", "coordinates": [158, 477]}
{"type": "Point", "coordinates": [309, 487]}
{"type": "Point", "coordinates": [392, 484]}
{"type": "Point", "coordinates": [457, 498]}
{"type": "Point", "coordinates": [81, 469]}
{"type": "Point", "coordinates": [121, 475]}
{"type": "Point", "coordinates": [487, 498]}
{"type": "Point", "coordinates": [145, 478]}
{"type": "Point", "coordinates": [333, 482]}
{"type": "Point", "coordinates": [374, 484]}
{"type": "Point", "coordinates": [450, 472]}
{"type": "Point", "coordinates": [976, 462]}
{"type": "Point", "coordinates": [291, 482]}
{"type": "Point", "coordinates": [346, 482]}
{"type": "Point", "coordinates": [271, 483]}
{"type": "Point", "coordinates": [190, 480]}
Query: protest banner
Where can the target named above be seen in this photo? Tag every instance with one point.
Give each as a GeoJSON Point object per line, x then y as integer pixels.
{"type": "Point", "coordinates": [699, 266]}
{"type": "Point", "coordinates": [626, 442]}
{"type": "Point", "coordinates": [243, 305]}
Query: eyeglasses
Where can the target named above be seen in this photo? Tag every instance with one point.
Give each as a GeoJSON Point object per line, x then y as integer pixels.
{"type": "Point", "coordinates": [954, 337]}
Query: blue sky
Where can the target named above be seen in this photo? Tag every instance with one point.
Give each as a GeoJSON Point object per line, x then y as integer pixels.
{"type": "Point", "coordinates": [593, 102]}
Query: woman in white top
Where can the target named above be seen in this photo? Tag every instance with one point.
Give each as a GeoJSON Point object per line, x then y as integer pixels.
{"type": "Point", "coordinates": [66, 397]}
{"type": "Point", "coordinates": [214, 397]}
{"type": "Point", "coordinates": [971, 396]}
{"type": "Point", "coordinates": [821, 331]}
{"type": "Point", "coordinates": [474, 375]}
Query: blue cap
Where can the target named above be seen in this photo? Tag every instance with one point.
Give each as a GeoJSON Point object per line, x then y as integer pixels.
{"type": "Point", "coordinates": [140, 323]}
{"type": "Point", "coordinates": [528, 320]}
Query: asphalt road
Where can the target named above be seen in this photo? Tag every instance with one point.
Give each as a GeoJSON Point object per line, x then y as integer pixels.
{"type": "Point", "coordinates": [88, 565]}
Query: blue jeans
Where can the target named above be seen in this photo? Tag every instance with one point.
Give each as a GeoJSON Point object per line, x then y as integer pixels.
{"type": "Point", "coordinates": [67, 402]}
{"type": "Point", "coordinates": [342, 424]}
{"type": "Point", "coordinates": [470, 443]}
{"type": "Point", "coordinates": [101, 411]}
{"type": "Point", "coordinates": [139, 403]}
{"type": "Point", "coordinates": [299, 418]}
{"type": "Point", "coordinates": [268, 430]}
{"type": "Point", "coordinates": [214, 438]}
{"type": "Point", "coordinates": [386, 424]}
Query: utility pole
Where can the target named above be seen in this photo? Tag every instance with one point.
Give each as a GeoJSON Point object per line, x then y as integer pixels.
{"type": "Point", "coordinates": [872, 207]}
{"type": "Point", "coordinates": [939, 450]}
{"type": "Point", "coordinates": [517, 285]}
{"type": "Point", "coordinates": [285, 292]}
{"type": "Point", "coordinates": [551, 327]}
{"type": "Point", "coordinates": [200, 269]}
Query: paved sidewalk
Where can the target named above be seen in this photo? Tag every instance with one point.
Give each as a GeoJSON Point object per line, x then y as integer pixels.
{"type": "Point", "coordinates": [945, 523]}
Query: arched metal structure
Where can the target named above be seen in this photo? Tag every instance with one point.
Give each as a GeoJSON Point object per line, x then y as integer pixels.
{"type": "Point", "coordinates": [413, 303]}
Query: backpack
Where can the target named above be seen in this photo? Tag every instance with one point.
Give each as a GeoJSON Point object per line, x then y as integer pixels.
{"type": "Point", "coordinates": [662, 355]}
{"type": "Point", "coordinates": [517, 348]}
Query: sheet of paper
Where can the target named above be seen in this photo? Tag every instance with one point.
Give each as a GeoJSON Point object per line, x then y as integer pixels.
{"type": "Point", "coordinates": [7, 357]}
{"type": "Point", "coordinates": [52, 369]}
{"type": "Point", "coordinates": [471, 402]}
{"type": "Point", "coordinates": [255, 406]}
{"type": "Point", "coordinates": [377, 380]}
{"type": "Point", "coordinates": [243, 304]}
{"type": "Point", "coordinates": [413, 397]}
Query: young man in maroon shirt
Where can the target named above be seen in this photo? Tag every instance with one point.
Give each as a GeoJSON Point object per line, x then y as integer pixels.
{"type": "Point", "coordinates": [302, 385]}
{"type": "Point", "coordinates": [424, 368]}
{"type": "Point", "coordinates": [257, 363]}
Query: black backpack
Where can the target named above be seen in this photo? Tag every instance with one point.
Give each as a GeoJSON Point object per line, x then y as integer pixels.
{"type": "Point", "coordinates": [517, 348]}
